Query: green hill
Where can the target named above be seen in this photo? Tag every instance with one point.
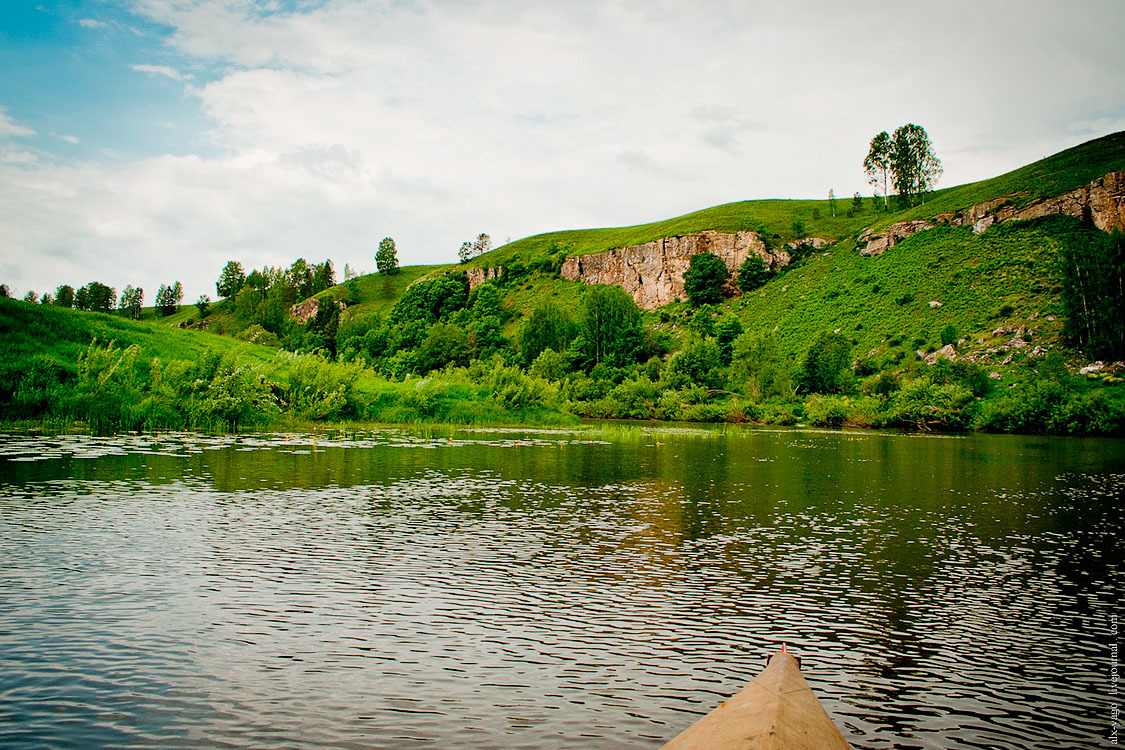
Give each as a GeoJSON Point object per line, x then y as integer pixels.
{"type": "Point", "coordinates": [836, 338]}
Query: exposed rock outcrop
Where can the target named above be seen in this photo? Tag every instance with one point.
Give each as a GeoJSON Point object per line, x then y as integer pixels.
{"type": "Point", "coordinates": [1102, 202]}
{"type": "Point", "coordinates": [816, 243]}
{"type": "Point", "coordinates": [303, 312]}
{"type": "Point", "coordinates": [876, 243]}
{"type": "Point", "coordinates": [653, 273]}
{"type": "Point", "coordinates": [478, 276]}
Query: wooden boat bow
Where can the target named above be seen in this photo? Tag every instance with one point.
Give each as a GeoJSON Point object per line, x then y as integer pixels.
{"type": "Point", "coordinates": [776, 711]}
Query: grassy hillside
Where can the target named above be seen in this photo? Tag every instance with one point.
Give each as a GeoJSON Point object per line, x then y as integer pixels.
{"type": "Point", "coordinates": [1056, 174]}
{"type": "Point", "coordinates": [447, 355]}
{"type": "Point", "coordinates": [1005, 278]}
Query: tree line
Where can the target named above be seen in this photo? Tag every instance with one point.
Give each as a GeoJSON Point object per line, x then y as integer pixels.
{"type": "Point", "coordinates": [98, 297]}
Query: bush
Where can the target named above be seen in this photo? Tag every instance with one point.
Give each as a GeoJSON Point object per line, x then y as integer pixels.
{"type": "Point", "coordinates": [924, 405]}
{"type": "Point", "coordinates": [827, 366]}
{"type": "Point", "coordinates": [752, 274]}
{"type": "Point", "coordinates": [705, 278]}
{"type": "Point", "coordinates": [318, 388]}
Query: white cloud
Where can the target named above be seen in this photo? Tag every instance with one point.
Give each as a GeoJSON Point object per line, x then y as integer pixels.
{"type": "Point", "coordinates": [19, 157]}
{"type": "Point", "coordinates": [71, 139]}
{"type": "Point", "coordinates": [90, 23]}
{"type": "Point", "coordinates": [9, 129]}
{"type": "Point", "coordinates": [162, 70]}
{"type": "Point", "coordinates": [429, 121]}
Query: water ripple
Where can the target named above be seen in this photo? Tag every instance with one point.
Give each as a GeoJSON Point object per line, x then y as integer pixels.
{"type": "Point", "coordinates": [546, 589]}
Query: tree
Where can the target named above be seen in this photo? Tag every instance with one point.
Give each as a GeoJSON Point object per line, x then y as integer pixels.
{"type": "Point", "coordinates": [132, 300]}
{"type": "Point", "coordinates": [727, 330]}
{"type": "Point", "coordinates": [301, 277]}
{"type": "Point", "coordinates": [5, 292]}
{"type": "Point", "coordinates": [202, 304]}
{"type": "Point", "coordinates": [705, 278]}
{"type": "Point", "coordinates": [386, 257]}
{"type": "Point", "coordinates": [878, 162]}
{"type": "Point", "coordinates": [95, 296]}
{"type": "Point", "coordinates": [482, 244]}
{"type": "Point", "coordinates": [64, 296]}
{"type": "Point", "coordinates": [828, 365]}
{"type": "Point", "coordinates": [1093, 294]}
{"type": "Point", "coordinates": [548, 327]}
{"type": "Point", "coordinates": [752, 274]}
{"type": "Point", "coordinates": [466, 252]}
{"type": "Point", "coordinates": [832, 202]}
{"type": "Point", "coordinates": [230, 280]}
{"type": "Point", "coordinates": [857, 204]}
{"type": "Point", "coordinates": [915, 168]}
{"type": "Point", "coordinates": [324, 276]}
{"type": "Point", "coordinates": [32, 296]}
{"type": "Point", "coordinates": [611, 329]}
{"type": "Point", "coordinates": [168, 298]}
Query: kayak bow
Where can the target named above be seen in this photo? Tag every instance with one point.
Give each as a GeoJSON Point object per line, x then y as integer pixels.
{"type": "Point", "coordinates": [777, 711]}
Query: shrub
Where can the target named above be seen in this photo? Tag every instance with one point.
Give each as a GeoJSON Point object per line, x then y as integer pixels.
{"type": "Point", "coordinates": [827, 365]}
{"type": "Point", "coordinates": [704, 279]}
{"type": "Point", "coordinates": [924, 405]}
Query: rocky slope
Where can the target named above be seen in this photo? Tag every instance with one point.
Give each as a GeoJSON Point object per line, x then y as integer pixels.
{"type": "Point", "coordinates": [1102, 202]}
{"type": "Point", "coordinates": [653, 273]}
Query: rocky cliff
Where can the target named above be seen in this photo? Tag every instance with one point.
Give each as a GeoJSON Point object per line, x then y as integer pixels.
{"type": "Point", "coordinates": [653, 273]}
{"type": "Point", "coordinates": [1102, 201]}
{"type": "Point", "coordinates": [303, 312]}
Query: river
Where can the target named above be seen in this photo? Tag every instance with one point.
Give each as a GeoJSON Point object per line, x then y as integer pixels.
{"type": "Point", "coordinates": [597, 587]}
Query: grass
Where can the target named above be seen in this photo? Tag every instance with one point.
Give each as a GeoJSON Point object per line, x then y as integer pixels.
{"type": "Point", "coordinates": [56, 335]}
{"type": "Point", "coordinates": [1054, 175]}
{"type": "Point", "coordinates": [874, 300]}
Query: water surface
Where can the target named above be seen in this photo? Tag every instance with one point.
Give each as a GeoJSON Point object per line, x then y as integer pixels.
{"type": "Point", "coordinates": [541, 589]}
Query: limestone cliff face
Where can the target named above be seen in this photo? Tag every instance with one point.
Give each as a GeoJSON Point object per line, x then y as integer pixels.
{"type": "Point", "coordinates": [653, 273]}
{"type": "Point", "coordinates": [478, 276]}
{"type": "Point", "coordinates": [1103, 201]}
{"type": "Point", "coordinates": [303, 312]}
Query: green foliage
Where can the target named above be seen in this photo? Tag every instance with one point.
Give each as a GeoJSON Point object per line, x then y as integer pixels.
{"type": "Point", "coordinates": [317, 388]}
{"type": "Point", "coordinates": [444, 345]}
{"type": "Point", "coordinates": [727, 330]}
{"type": "Point", "coordinates": [548, 327]}
{"type": "Point", "coordinates": [132, 300]}
{"type": "Point", "coordinates": [758, 369]}
{"type": "Point", "coordinates": [752, 274]}
{"type": "Point", "coordinates": [924, 405]}
{"type": "Point", "coordinates": [64, 296]}
{"type": "Point", "coordinates": [878, 163]}
{"type": "Point", "coordinates": [948, 335]}
{"type": "Point", "coordinates": [915, 168]}
{"type": "Point", "coordinates": [549, 365]}
{"type": "Point", "coordinates": [96, 297]}
{"type": "Point", "coordinates": [697, 363]}
{"type": "Point", "coordinates": [432, 300]}
{"type": "Point", "coordinates": [168, 298]}
{"type": "Point", "coordinates": [702, 322]}
{"type": "Point", "coordinates": [611, 329]}
{"type": "Point", "coordinates": [827, 366]}
{"type": "Point", "coordinates": [704, 279]}
{"type": "Point", "coordinates": [1093, 293]}
{"type": "Point", "coordinates": [231, 280]}
{"type": "Point", "coordinates": [203, 305]}
{"type": "Point", "coordinates": [386, 257]}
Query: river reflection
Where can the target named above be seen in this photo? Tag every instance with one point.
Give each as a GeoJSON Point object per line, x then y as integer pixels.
{"type": "Point", "coordinates": [599, 587]}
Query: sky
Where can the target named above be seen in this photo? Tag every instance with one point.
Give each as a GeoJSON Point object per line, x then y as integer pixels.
{"type": "Point", "coordinates": [148, 141]}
